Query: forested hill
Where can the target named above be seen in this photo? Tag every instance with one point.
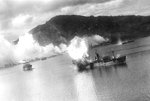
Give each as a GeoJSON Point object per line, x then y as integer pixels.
{"type": "Point", "coordinates": [64, 27]}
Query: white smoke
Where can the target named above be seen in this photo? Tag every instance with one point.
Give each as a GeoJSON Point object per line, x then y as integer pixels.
{"type": "Point", "coordinates": [78, 48]}
{"type": "Point", "coordinates": [6, 52]}
{"type": "Point", "coordinates": [95, 40]}
{"type": "Point", "coordinates": [27, 48]}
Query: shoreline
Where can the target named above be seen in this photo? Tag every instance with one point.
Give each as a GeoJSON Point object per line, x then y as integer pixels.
{"type": "Point", "coordinates": [30, 61]}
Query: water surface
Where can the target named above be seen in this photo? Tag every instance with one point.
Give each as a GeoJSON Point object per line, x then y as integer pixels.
{"type": "Point", "coordinates": [56, 79]}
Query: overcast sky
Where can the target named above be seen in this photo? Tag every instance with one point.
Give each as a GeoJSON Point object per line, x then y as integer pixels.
{"type": "Point", "coordinates": [19, 16]}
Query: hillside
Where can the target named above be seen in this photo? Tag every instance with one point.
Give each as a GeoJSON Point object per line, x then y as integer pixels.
{"type": "Point", "coordinates": [64, 27]}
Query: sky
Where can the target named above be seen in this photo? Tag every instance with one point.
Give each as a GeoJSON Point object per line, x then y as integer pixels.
{"type": "Point", "coordinates": [17, 17]}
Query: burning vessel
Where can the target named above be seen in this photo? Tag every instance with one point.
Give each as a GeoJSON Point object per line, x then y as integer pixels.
{"type": "Point", "coordinates": [80, 53]}
{"type": "Point", "coordinates": [86, 64]}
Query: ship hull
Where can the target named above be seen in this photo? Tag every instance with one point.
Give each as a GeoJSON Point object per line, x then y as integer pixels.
{"type": "Point", "coordinates": [84, 65]}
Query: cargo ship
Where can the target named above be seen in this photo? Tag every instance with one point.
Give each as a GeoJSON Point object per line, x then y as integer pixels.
{"type": "Point", "coordinates": [95, 60]}
{"type": "Point", "coordinates": [87, 57]}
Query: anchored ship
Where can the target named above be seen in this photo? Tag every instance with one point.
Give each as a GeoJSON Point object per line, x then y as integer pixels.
{"type": "Point", "coordinates": [97, 61]}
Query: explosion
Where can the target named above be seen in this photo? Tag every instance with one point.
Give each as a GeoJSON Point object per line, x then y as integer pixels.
{"type": "Point", "coordinates": [27, 48]}
{"type": "Point", "coordinates": [78, 48]}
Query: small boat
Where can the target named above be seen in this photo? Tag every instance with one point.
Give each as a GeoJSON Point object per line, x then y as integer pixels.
{"type": "Point", "coordinates": [27, 67]}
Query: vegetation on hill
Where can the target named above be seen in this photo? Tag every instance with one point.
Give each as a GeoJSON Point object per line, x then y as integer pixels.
{"type": "Point", "coordinates": [64, 27]}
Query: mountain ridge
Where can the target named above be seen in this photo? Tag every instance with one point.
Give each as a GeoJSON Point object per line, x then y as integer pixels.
{"type": "Point", "coordinates": [62, 28]}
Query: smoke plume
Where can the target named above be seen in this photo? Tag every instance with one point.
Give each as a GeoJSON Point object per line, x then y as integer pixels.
{"type": "Point", "coordinates": [78, 47]}
{"type": "Point", "coordinates": [26, 48]}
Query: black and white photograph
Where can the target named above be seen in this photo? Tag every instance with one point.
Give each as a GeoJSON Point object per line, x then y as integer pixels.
{"type": "Point", "coordinates": [74, 50]}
